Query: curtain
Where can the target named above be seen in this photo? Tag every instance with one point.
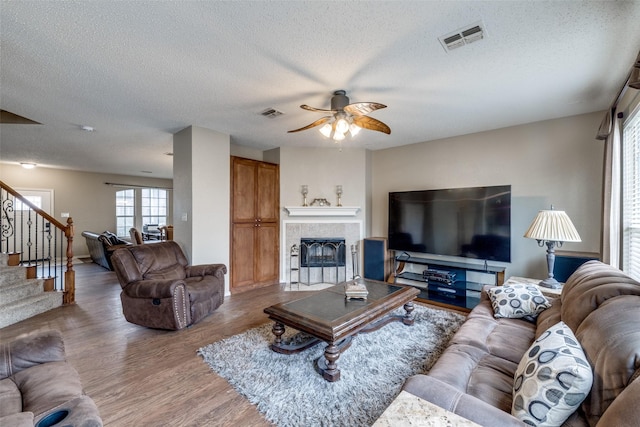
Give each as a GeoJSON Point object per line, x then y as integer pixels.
{"type": "Point", "coordinates": [611, 187]}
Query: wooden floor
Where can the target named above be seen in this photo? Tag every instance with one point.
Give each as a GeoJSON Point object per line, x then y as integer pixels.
{"type": "Point", "coordinates": [144, 377]}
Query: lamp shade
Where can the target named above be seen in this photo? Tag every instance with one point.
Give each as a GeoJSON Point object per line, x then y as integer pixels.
{"type": "Point", "coordinates": [552, 226]}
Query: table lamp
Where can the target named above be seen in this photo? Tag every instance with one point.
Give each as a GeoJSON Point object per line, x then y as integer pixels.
{"type": "Point", "coordinates": [552, 228]}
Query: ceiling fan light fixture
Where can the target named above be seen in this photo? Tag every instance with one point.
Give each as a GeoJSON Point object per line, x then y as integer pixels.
{"type": "Point", "coordinates": [345, 118]}
{"type": "Point", "coordinates": [338, 136]}
{"type": "Point", "coordinates": [342, 125]}
{"type": "Point", "coordinates": [326, 130]}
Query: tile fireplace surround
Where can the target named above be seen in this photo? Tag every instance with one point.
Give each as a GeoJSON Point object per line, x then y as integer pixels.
{"type": "Point", "coordinates": [351, 230]}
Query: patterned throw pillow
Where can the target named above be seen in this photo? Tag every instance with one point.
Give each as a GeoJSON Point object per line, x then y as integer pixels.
{"type": "Point", "coordinates": [552, 379]}
{"type": "Point", "coordinates": [517, 300]}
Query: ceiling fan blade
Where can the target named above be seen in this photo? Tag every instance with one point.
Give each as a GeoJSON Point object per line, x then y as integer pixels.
{"type": "Point", "coordinates": [370, 123]}
{"type": "Point", "coordinates": [317, 110]}
{"type": "Point", "coordinates": [363, 108]}
{"type": "Point", "coordinates": [10, 118]}
{"type": "Point", "coordinates": [314, 124]}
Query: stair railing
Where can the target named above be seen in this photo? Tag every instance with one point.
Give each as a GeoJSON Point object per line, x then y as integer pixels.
{"type": "Point", "coordinates": [39, 239]}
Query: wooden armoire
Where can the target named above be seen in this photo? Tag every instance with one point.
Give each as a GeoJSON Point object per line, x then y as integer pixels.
{"type": "Point", "coordinates": [255, 224]}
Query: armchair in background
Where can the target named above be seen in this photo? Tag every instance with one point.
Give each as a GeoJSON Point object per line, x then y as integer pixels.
{"type": "Point", "coordinates": [136, 237]}
{"type": "Point", "coordinates": [161, 290]}
{"type": "Point", "coordinates": [166, 232]}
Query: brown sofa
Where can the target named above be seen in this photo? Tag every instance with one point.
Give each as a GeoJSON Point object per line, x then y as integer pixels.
{"type": "Point", "coordinates": [600, 304]}
{"type": "Point", "coordinates": [101, 246]}
{"type": "Point", "coordinates": [161, 290]}
{"type": "Point", "coordinates": [38, 387]}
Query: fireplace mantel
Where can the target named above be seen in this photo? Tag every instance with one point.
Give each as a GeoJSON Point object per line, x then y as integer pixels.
{"type": "Point", "coordinates": [322, 210]}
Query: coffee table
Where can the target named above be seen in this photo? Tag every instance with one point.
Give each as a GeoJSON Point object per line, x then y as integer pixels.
{"type": "Point", "coordinates": [328, 316]}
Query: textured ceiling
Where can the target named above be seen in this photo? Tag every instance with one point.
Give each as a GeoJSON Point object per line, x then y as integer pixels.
{"type": "Point", "coordinates": [140, 71]}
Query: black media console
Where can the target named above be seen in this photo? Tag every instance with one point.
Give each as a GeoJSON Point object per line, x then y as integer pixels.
{"type": "Point", "coordinates": [450, 283]}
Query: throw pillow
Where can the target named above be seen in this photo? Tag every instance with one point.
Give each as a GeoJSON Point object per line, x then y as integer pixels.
{"type": "Point", "coordinates": [552, 379]}
{"type": "Point", "coordinates": [517, 300]}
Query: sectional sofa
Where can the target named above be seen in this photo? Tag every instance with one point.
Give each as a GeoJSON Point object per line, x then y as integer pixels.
{"type": "Point", "coordinates": [492, 359]}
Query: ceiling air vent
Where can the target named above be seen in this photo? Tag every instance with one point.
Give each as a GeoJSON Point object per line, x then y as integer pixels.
{"type": "Point", "coordinates": [271, 113]}
{"type": "Point", "coordinates": [463, 36]}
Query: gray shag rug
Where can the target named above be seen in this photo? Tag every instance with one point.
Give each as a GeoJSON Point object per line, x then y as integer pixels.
{"type": "Point", "coordinates": [289, 392]}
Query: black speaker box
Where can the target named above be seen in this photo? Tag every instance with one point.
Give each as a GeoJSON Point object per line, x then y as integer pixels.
{"type": "Point", "coordinates": [377, 259]}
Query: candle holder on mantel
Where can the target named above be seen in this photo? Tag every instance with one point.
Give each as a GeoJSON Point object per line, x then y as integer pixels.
{"type": "Point", "coordinates": [339, 193]}
{"type": "Point", "coordinates": [305, 191]}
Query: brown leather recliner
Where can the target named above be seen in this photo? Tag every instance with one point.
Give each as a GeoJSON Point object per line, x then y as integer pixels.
{"type": "Point", "coordinates": [159, 288]}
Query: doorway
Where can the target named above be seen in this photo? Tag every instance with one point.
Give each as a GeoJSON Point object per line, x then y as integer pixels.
{"type": "Point", "coordinates": [30, 230]}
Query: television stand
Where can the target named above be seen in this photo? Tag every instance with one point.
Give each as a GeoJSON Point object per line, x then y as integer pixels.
{"type": "Point", "coordinates": [447, 283]}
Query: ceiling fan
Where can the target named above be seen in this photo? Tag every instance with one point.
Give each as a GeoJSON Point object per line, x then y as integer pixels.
{"type": "Point", "coordinates": [346, 118]}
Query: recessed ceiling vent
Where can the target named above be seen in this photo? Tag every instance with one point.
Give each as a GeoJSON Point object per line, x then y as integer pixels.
{"type": "Point", "coordinates": [271, 113]}
{"type": "Point", "coordinates": [463, 36]}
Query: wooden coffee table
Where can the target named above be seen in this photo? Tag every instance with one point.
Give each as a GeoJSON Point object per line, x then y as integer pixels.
{"type": "Point", "coordinates": [327, 316]}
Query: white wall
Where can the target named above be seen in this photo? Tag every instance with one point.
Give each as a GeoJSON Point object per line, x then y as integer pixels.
{"type": "Point", "coordinates": [322, 169]}
{"type": "Point", "coordinates": [202, 194]}
{"type": "Point", "coordinates": [84, 195]}
{"type": "Point", "coordinates": [182, 184]}
{"type": "Point", "coordinates": [246, 152]}
{"type": "Point", "coordinates": [555, 162]}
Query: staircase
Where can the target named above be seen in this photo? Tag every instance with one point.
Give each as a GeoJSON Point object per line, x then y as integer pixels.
{"type": "Point", "coordinates": [21, 297]}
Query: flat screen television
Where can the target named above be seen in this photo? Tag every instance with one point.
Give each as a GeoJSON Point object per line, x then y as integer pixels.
{"type": "Point", "coordinates": [464, 222]}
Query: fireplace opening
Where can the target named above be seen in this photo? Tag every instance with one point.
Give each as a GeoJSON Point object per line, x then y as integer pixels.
{"type": "Point", "coordinates": [322, 252]}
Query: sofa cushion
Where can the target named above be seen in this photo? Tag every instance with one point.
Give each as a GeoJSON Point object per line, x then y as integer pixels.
{"type": "Point", "coordinates": [10, 398]}
{"type": "Point", "coordinates": [47, 385]}
{"type": "Point", "coordinates": [552, 379]}
{"type": "Point", "coordinates": [19, 419]}
{"type": "Point", "coordinates": [589, 286]}
{"type": "Point", "coordinates": [30, 350]}
{"type": "Point", "coordinates": [624, 411]}
{"type": "Point", "coordinates": [549, 317]}
{"type": "Point", "coordinates": [517, 300]}
{"type": "Point", "coordinates": [483, 355]}
{"type": "Point", "coordinates": [610, 337]}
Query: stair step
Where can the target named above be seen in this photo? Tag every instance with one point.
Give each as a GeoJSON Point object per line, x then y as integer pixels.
{"type": "Point", "coordinates": [8, 275]}
{"type": "Point", "coordinates": [20, 289]}
{"type": "Point", "coordinates": [25, 308]}
{"type": "Point", "coordinates": [22, 298]}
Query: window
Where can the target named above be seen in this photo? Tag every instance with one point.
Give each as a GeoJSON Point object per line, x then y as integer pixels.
{"type": "Point", "coordinates": [137, 207]}
{"type": "Point", "coordinates": [154, 206]}
{"type": "Point", "coordinates": [631, 195]}
{"type": "Point", "coordinates": [125, 211]}
{"type": "Point", "coordinates": [35, 200]}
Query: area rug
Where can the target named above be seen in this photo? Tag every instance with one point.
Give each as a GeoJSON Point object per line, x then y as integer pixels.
{"type": "Point", "coordinates": [288, 391]}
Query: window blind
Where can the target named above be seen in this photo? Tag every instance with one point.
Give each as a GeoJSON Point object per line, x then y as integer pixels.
{"type": "Point", "coordinates": [631, 195]}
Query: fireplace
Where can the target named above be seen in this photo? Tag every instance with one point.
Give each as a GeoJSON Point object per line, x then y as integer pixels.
{"type": "Point", "coordinates": [322, 252]}
{"type": "Point", "coordinates": [294, 230]}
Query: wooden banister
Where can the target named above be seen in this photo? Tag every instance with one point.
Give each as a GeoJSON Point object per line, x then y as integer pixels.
{"type": "Point", "coordinates": [7, 226]}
